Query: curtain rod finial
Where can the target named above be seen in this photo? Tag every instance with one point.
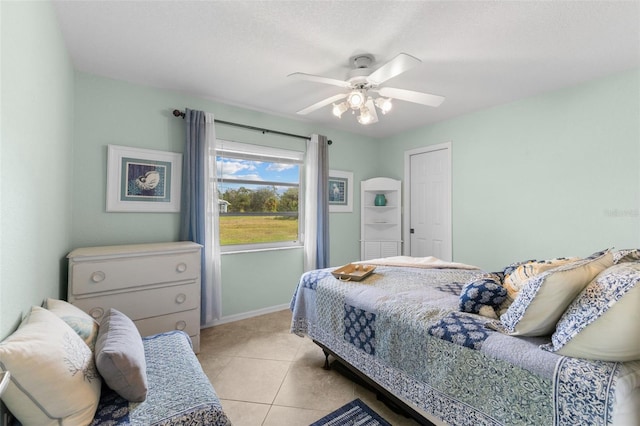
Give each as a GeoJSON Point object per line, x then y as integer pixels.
{"type": "Point", "coordinates": [178, 113]}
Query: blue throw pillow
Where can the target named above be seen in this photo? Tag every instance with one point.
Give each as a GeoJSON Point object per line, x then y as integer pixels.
{"type": "Point", "coordinates": [485, 291]}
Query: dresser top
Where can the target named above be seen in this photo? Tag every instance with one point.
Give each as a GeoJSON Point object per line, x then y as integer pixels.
{"type": "Point", "coordinates": [133, 249]}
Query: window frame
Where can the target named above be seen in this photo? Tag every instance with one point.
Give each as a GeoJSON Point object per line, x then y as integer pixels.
{"type": "Point", "coordinates": [252, 152]}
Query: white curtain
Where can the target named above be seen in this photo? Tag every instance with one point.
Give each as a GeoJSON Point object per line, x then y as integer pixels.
{"type": "Point", "coordinates": [213, 306]}
{"type": "Point", "coordinates": [311, 204]}
{"type": "Point", "coordinates": [316, 204]}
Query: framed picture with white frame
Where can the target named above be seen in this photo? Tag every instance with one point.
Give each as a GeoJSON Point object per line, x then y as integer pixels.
{"type": "Point", "coordinates": [143, 180]}
{"type": "Point", "coordinates": [340, 187]}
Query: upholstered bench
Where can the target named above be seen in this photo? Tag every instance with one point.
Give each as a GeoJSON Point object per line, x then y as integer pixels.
{"type": "Point", "coordinates": [67, 369]}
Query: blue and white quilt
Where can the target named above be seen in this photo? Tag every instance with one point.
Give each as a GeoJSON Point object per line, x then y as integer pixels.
{"type": "Point", "coordinates": [179, 391]}
{"type": "Point", "coordinates": [402, 327]}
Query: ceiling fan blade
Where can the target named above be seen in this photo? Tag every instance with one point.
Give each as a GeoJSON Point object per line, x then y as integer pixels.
{"type": "Point", "coordinates": [401, 63]}
{"type": "Point", "coordinates": [322, 103]}
{"type": "Point", "coordinates": [372, 110]}
{"type": "Point", "coordinates": [320, 79]}
{"type": "Point", "coordinates": [411, 96]}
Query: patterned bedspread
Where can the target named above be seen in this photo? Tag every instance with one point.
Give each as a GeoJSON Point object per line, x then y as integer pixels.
{"type": "Point", "coordinates": [401, 326]}
{"type": "Point", "coordinates": [179, 391]}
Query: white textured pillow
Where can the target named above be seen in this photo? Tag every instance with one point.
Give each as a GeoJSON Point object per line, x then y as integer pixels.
{"type": "Point", "coordinates": [603, 322]}
{"type": "Point", "coordinates": [81, 322]}
{"type": "Point", "coordinates": [53, 376]}
{"type": "Point", "coordinates": [544, 297]}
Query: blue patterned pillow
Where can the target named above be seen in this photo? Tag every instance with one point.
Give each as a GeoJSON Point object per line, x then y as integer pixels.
{"type": "Point", "coordinates": [603, 322]}
{"type": "Point", "coordinates": [486, 291]}
{"type": "Point", "coordinates": [82, 323]}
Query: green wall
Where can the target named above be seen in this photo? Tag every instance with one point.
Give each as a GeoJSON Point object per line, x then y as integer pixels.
{"type": "Point", "coordinates": [114, 112]}
{"type": "Point", "coordinates": [35, 159]}
{"type": "Point", "coordinates": [553, 175]}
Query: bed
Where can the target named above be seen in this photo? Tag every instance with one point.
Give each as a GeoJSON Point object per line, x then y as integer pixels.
{"type": "Point", "coordinates": [405, 329]}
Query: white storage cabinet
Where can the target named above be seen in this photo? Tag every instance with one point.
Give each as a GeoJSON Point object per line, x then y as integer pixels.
{"type": "Point", "coordinates": [380, 226]}
{"type": "Point", "coordinates": [156, 285]}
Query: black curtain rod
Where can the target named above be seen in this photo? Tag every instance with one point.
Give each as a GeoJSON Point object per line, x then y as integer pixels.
{"type": "Point", "coordinates": [178, 113]}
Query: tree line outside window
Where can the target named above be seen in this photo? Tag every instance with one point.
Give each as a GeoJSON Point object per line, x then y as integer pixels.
{"type": "Point", "coordinates": [258, 196]}
{"type": "Point", "coordinates": [263, 200]}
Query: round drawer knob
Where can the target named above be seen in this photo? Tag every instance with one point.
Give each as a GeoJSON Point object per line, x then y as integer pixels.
{"type": "Point", "coordinates": [181, 267]}
{"type": "Point", "coordinates": [181, 325]}
{"type": "Point", "coordinates": [96, 313]}
{"type": "Point", "coordinates": [98, 276]}
{"type": "Point", "coordinates": [181, 298]}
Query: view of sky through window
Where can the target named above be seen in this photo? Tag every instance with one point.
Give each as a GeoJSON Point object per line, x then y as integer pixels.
{"type": "Point", "coordinates": [235, 173]}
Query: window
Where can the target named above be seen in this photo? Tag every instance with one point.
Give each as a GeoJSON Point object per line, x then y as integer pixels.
{"type": "Point", "coordinates": [258, 196]}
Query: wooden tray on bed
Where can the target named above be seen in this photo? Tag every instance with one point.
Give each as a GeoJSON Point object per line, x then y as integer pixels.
{"type": "Point", "coordinates": [353, 272]}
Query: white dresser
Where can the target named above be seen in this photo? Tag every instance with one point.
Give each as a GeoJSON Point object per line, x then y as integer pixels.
{"type": "Point", "coordinates": [156, 285]}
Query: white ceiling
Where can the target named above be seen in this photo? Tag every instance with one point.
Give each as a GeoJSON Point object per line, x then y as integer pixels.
{"type": "Point", "coordinates": [477, 53]}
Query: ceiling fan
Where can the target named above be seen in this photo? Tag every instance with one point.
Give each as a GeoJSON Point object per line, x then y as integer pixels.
{"type": "Point", "coordinates": [363, 85]}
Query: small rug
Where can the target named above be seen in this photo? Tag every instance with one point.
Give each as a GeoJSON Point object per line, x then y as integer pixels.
{"type": "Point", "coordinates": [355, 413]}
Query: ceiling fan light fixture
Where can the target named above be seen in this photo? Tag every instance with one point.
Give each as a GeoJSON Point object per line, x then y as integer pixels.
{"type": "Point", "coordinates": [365, 116]}
{"type": "Point", "coordinates": [356, 99]}
{"type": "Point", "coordinates": [363, 81]}
{"type": "Point", "coordinates": [339, 109]}
{"type": "Point", "coordinates": [384, 104]}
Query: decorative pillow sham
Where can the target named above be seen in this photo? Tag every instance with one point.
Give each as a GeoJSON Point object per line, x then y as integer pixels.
{"type": "Point", "coordinates": [603, 322]}
{"type": "Point", "coordinates": [517, 275]}
{"type": "Point", "coordinates": [81, 322]}
{"type": "Point", "coordinates": [482, 296]}
{"type": "Point", "coordinates": [627, 255]}
{"type": "Point", "coordinates": [120, 356]}
{"type": "Point", "coordinates": [544, 297]}
{"type": "Point", "coordinates": [53, 376]}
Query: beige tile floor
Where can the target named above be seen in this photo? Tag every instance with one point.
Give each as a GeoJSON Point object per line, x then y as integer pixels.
{"type": "Point", "coordinates": [266, 376]}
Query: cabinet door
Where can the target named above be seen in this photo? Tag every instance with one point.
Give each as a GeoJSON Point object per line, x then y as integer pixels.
{"type": "Point", "coordinates": [371, 250]}
{"type": "Point", "coordinates": [389, 248]}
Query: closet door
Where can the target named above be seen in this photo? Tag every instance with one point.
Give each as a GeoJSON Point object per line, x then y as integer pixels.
{"type": "Point", "coordinates": [430, 201]}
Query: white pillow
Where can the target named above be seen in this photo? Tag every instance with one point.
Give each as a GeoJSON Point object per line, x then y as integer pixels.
{"type": "Point", "coordinates": [603, 322]}
{"type": "Point", "coordinates": [544, 297]}
{"type": "Point", "coordinates": [81, 322]}
{"type": "Point", "coordinates": [53, 377]}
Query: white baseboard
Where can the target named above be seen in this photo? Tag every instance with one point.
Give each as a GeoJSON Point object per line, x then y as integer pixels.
{"type": "Point", "coordinates": [245, 315]}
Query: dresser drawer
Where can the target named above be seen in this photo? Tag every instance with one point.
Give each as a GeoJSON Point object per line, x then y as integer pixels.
{"type": "Point", "coordinates": [143, 303]}
{"type": "Point", "coordinates": [187, 321]}
{"type": "Point", "coordinates": [132, 272]}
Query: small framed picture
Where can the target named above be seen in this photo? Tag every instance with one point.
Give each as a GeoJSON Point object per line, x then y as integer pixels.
{"type": "Point", "coordinates": [143, 180]}
{"type": "Point", "coordinates": [340, 191]}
